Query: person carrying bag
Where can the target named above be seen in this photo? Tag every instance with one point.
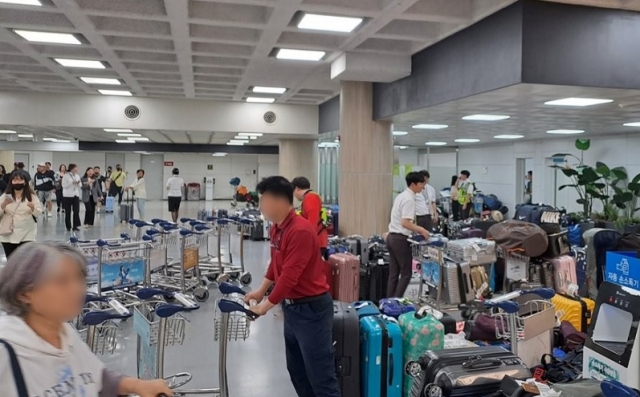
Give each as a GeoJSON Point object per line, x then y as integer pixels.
{"type": "Point", "coordinates": [19, 209]}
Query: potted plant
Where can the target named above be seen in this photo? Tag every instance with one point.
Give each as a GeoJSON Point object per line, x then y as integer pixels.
{"type": "Point", "coordinates": [626, 200]}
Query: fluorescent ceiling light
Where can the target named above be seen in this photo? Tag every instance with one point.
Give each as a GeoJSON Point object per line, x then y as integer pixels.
{"type": "Point", "coordinates": [485, 117]}
{"type": "Point", "coordinates": [436, 143]}
{"type": "Point", "coordinates": [49, 139]}
{"type": "Point", "coordinates": [253, 137]}
{"type": "Point", "coordinates": [632, 125]}
{"type": "Point", "coordinates": [47, 37]}
{"type": "Point", "coordinates": [125, 141]}
{"type": "Point", "coordinates": [579, 102]}
{"type": "Point", "coordinates": [144, 153]}
{"type": "Point", "coordinates": [101, 81]}
{"type": "Point", "coordinates": [467, 140]}
{"type": "Point", "coordinates": [130, 135]}
{"type": "Point", "coordinates": [139, 138]}
{"type": "Point", "coordinates": [117, 130]}
{"type": "Point", "coordinates": [565, 132]}
{"type": "Point", "coordinates": [25, 135]}
{"type": "Point", "coordinates": [80, 63]}
{"type": "Point", "coordinates": [269, 90]}
{"type": "Point", "coordinates": [115, 92]}
{"type": "Point", "coordinates": [400, 133]}
{"type": "Point", "coordinates": [253, 99]}
{"type": "Point", "coordinates": [430, 126]}
{"type": "Point", "coordinates": [235, 144]}
{"type": "Point", "coordinates": [300, 55]}
{"type": "Point", "coordinates": [219, 154]}
{"type": "Point", "coordinates": [401, 147]}
{"type": "Point", "coordinates": [244, 138]}
{"type": "Point", "coordinates": [243, 141]}
{"type": "Point", "coordinates": [250, 134]}
{"type": "Point", "coordinates": [23, 2]}
{"type": "Point", "coordinates": [7, 132]}
{"type": "Point", "coordinates": [329, 23]}
{"type": "Point", "coordinates": [507, 136]}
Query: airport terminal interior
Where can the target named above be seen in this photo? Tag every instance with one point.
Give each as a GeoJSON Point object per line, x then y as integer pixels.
{"type": "Point", "coordinates": [516, 122]}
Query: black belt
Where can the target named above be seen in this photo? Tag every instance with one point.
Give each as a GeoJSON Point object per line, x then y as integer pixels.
{"type": "Point", "coordinates": [307, 299]}
{"type": "Point", "coordinates": [399, 234]}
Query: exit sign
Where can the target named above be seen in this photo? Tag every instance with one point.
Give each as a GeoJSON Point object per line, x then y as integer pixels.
{"type": "Point", "coordinates": [168, 163]}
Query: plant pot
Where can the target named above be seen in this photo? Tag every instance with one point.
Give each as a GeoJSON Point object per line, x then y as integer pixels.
{"type": "Point", "coordinates": [635, 228]}
{"type": "Point", "coordinates": [599, 224]}
{"type": "Point", "coordinates": [587, 225]}
{"type": "Point", "coordinates": [609, 225]}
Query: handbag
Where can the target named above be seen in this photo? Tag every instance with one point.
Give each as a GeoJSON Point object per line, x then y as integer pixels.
{"type": "Point", "coordinates": [6, 223]}
{"type": "Point", "coordinates": [18, 377]}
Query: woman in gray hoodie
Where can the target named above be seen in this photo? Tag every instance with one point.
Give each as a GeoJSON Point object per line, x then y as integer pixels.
{"type": "Point", "coordinates": [42, 288]}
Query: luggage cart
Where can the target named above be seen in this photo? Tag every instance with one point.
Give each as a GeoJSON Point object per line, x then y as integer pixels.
{"type": "Point", "coordinates": [431, 250]}
{"type": "Point", "coordinates": [97, 324]}
{"type": "Point", "coordinates": [159, 324]}
{"type": "Point", "coordinates": [220, 270]}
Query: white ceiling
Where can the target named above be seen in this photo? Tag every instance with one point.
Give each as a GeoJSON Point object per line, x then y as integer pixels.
{"type": "Point", "coordinates": [530, 117]}
{"type": "Point", "coordinates": [215, 49]}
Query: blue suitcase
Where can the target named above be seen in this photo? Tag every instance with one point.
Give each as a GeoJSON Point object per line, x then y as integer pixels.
{"type": "Point", "coordinates": [109, 204]}
{"type": "Point", "coordinates": [366, 308]}
{"type": "Point", "coordinates": [381, 351]}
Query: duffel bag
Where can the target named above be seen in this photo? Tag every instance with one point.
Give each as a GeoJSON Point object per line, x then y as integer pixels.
{"type": "Point", "coordinates": [524, 237]}
{"type": "Point", "coordinates": [537, 213]}
{"type": "Point", "coordinates": [492, 203]}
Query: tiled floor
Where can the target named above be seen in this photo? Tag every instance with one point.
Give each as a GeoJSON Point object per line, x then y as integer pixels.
{"type": "Point", "coordinates": [256, 366]}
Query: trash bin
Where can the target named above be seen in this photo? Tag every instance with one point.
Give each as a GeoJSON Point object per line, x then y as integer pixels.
{"type": "Point", "coordinates": [193, 192]}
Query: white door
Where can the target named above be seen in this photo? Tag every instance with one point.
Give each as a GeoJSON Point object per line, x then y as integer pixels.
{"type": "Point", "coordinates": [153, 166]}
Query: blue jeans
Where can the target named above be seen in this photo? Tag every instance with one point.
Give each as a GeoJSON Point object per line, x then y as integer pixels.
{"type": "Point", "coordinates": [140, 203]}
{"type": "Point", "coordinates": [309, 348]}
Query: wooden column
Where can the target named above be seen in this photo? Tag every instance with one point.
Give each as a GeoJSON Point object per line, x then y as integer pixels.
{"type": "Point", "coordinates": [299, 157]}
{"type": "Point", "coordinates": [365, 163]}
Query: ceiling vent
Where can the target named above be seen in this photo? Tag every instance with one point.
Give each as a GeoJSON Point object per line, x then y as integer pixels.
{"type": "Point", "coordinates": [132, 112]}
{"type": "Point", "coordinates": [270, 118]}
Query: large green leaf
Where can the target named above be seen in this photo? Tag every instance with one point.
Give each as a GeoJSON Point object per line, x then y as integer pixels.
{"type": "Point", "coordinates": [581, 201]}
{"type": "Point", "coordinates": [583, 144]}
{"type": "Point", "coordinates": [603, 169]}
{"type": "Point", "coordinates": [634, 187]}
{"type": "Point", "coordinates": [566, 186]}
{"type": "Point", "coordinates": [619, 172]}
{"type": "Point", "coordinates": [570, 172]}
{"type": "Point", "coordinates": [590, 175]}
{"type": "Point", "coordinates": [636, 179]}
{"type": "Point", "coordinates": [600, 185]}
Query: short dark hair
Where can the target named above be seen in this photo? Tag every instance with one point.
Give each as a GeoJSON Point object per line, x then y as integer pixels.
{"type": "Point", "coordinates": [48, 163]}
{"type": "Point", "coordinates": [530, 172]}
{"type": "Point", "coordinates": [277, 186]}
{"type": "Point", "coordinates": [20, 165]}
{"type": "Point", "coordinates": [466, 173]}
{"type": "Point", "coordinates": [140, 170]}
{"type": "Point", "coordinates": [425, 173]}
{"type": "Point", "coordinates": [96, 166]}
{"type": "Point", "coordinates": [413, 178]}
{"type": "Point", "coordinates": [301, 183]}
{"type": "Point", "coordinates": [175, 171]}
{"type": "Point", "coordinates": [71, 166]}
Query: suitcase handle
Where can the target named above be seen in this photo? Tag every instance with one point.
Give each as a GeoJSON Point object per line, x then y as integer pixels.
{"type": "Point", "coordinates": [478, 362]}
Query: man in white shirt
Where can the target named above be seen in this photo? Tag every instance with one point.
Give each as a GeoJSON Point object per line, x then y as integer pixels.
{"type": "Point", "coordinates": [426, 209]}
{"type": "Point", "coordinates": [401, 227]}
{"type": "Point", "coordinates": [175, 186]}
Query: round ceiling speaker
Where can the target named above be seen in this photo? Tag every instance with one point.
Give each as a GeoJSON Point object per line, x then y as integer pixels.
{"type": "Point", "coordinates": [132, 112]}
{"type": "Point", "coordinates": [270, 117]}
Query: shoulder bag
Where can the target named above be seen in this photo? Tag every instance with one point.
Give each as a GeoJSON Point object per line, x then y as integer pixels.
{"type": "Point", "coordinates": [18, 378]}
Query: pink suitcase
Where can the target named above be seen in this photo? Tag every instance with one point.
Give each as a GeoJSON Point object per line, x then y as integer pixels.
{"type": "Point", "coordinates": [345, 278]}
{"type": "Point", "coordinates": [565, 273]}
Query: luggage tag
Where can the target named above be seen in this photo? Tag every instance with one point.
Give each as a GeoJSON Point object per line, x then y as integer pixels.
{"type": "Point", "coordinates": [479, 291]}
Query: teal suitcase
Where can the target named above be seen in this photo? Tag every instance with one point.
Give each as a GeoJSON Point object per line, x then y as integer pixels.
{"type": "Point", "coordinates": [381, 351]}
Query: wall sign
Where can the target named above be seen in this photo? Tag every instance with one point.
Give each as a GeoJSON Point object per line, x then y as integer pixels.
{"type": "Point", "coordinates": [168, 163]}
{"type": "Point", "coordinates": [209, 167]}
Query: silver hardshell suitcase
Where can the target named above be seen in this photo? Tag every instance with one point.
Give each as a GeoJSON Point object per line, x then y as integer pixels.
{"type": "Point", "coordinates": [457, 286]}
{"type": "Point", "coordinates": [476, 251]}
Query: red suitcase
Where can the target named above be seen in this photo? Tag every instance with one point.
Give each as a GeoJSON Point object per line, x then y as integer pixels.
{"type": "Point", "coordinates": [345, 277]}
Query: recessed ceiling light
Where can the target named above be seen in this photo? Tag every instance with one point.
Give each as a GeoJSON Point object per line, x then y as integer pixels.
{"type": "Point", "coordinates": [23, 2]}
{"type": "Point", "coordinates": [467, 140]}
{"type": "Point", "coordinates": [80, 63]}
{"type": "Point", "coordinates": [25, 135]}
{"type": "Point", "coordinates": [115, 92]}
{"type": "Point", "coordinates": [430, 126]}
{"type": "Point", "coordinates": [436, 143]}
{"type": "Point", "coordinates": [130, 135]}
{"type": "Point", "coordinates": [139, 138]}
{"type": "Point", "coordinates": [101, 81]}
{"type": "Point", "coordinates": [47, 37]}
{"type": "Point", "coordinates": [117, 130]}
{"type": "Point", "coordinates": [7, 132]}
{"type": "Point", "coordinates": [507, 136]}
{"type": "Point", "coordinates": [565, 132]}
{"type": "Point", "coordinates": [235, 143]}
{"type": "Point", "coordinates": [253, 99]}
{"type": "Point", "coordinates": [219, 154]}
{"type": "Point", "coordinates": [579, 102]}
{"type": "Point", "coordinates": [250, 134]}
{"type": "Point", "coordinates": [125, 141]}
{"type": "Point", "coordinates": [253, 138]}
{"type": "Point", "coordinates": [632, 125]}
{"type": "Point", "coordinates": [300, 55]}
{"type": "Point", "coordinates": [269, 90]}
{"type": "Point", "coordinates": [329, 23]}
{"type": "Point", "coordinates": [400, 133]}
{"type": "Point", "coordinates": [485, 117]}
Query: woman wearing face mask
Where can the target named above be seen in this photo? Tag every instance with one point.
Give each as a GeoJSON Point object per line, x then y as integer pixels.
{"type": "Point", "coordinates": [91, 195]}
{"type": "Point", "coordinates": [139, 190]}
{"type": "Point", "coordinates": [19, 209]}
{"type": "Point", "coordinates": [42, 288]}
{"type": "Point", "coordinates": [62, 171]}
{"type": "Point", "coordinates": [71, 197]}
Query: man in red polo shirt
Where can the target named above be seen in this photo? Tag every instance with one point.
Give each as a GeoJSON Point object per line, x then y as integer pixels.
{"type": "Point", "coordinates": [311, 210]}
{"type": "Point", "coordinates": [301, 287]}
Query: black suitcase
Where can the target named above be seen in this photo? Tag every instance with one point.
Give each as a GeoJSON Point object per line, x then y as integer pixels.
{"type": "Point", "coordinates": [373, 281]}
{"type": "Point", "coordinates": [474, 371]}
{"type": "Point", "coordinates": [346, 336]}
{"type": "Point", "coordinates": [257, 230]}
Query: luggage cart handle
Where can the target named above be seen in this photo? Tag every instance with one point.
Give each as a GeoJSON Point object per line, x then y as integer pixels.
{"type": "Point", "coordinates": [201, 228]}
{"type": "Point", "coordinates": [186, 220]}
{"type": "Point", "coordinates": [212, 218]}
{"type": "Point", "coordinates": [150, 293]}
{"type": "Point", "coordinates": [508, 306]}
{"type": "Point", "coordinates": [195, 223]}
{"type": "Point", "coordinates": [228, 306]}
{"type": "Point", "coordinates": [165, 310]}
{"type": "Point", "coordinates": [228, 289]}
{"type": "Point", "coordinates": [100, 316]}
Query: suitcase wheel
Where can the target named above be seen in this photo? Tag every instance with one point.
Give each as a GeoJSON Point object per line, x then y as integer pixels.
{"type": "Point", "coordinates": [432, 390]}
{"type": "Point", "coordinates": [413, 369]}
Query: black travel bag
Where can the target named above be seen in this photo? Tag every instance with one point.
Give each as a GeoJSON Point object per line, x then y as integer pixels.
{"type": "Point", "coordinates": [346, 330]}
{"type": "Point", "coordinates": [373, 281]}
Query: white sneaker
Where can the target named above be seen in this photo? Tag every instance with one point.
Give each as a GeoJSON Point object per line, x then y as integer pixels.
{"type": "Point", "coordinates": [49, 214]}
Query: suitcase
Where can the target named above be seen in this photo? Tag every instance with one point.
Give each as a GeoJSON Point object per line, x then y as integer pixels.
{"type": "Point", "coordinates": [541, 272]}
{"type": "Point", "coordinates": [476, 251]}
{"type": "Point", "coordinates": [109, 204]}
{"type": "Point", "coordinates": [482, 224]}
{"type": "Point", "coordinates": [456, 284]}
{"type": "Point", "coordinates": [257, 230]}
{"type": "Point", "coordinates": [581, 269]}
{"type": "Point", "coordinates": [472, 233]}
{"type": "Point", "coordinates": [558, 245]}
{"type": "Point", "coordinates": [474, 371]}
{"type": "Point", "coordinates": [223, 214]}
{"type": "Point", "coordinates": [266, 229]}
{"type": "Point", "coordinates": [480, 281]}
{"type": "Point", "coordinates": [578, 311]}
{"type": "Point", "coordinates": [366, 308]}
{"type": "Point", "coordinates": [346, 277]}
{"type": "Point", "coordinates": [395, 307]}
{"type": "Point", "coordinates": [359, 247]}
{"type": "Point", "coordinates": [381, 357]}
{"type": "Point", "coordinates": [421, 331]}
{"type": "Point", "coordinates": [126, 211]}
{"type": "Point", "coordinates": [346, 330]}
{"type": "Point", "coordinates": [373, 281]}
{"type": "Point", "coordinates": [564, 274]}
